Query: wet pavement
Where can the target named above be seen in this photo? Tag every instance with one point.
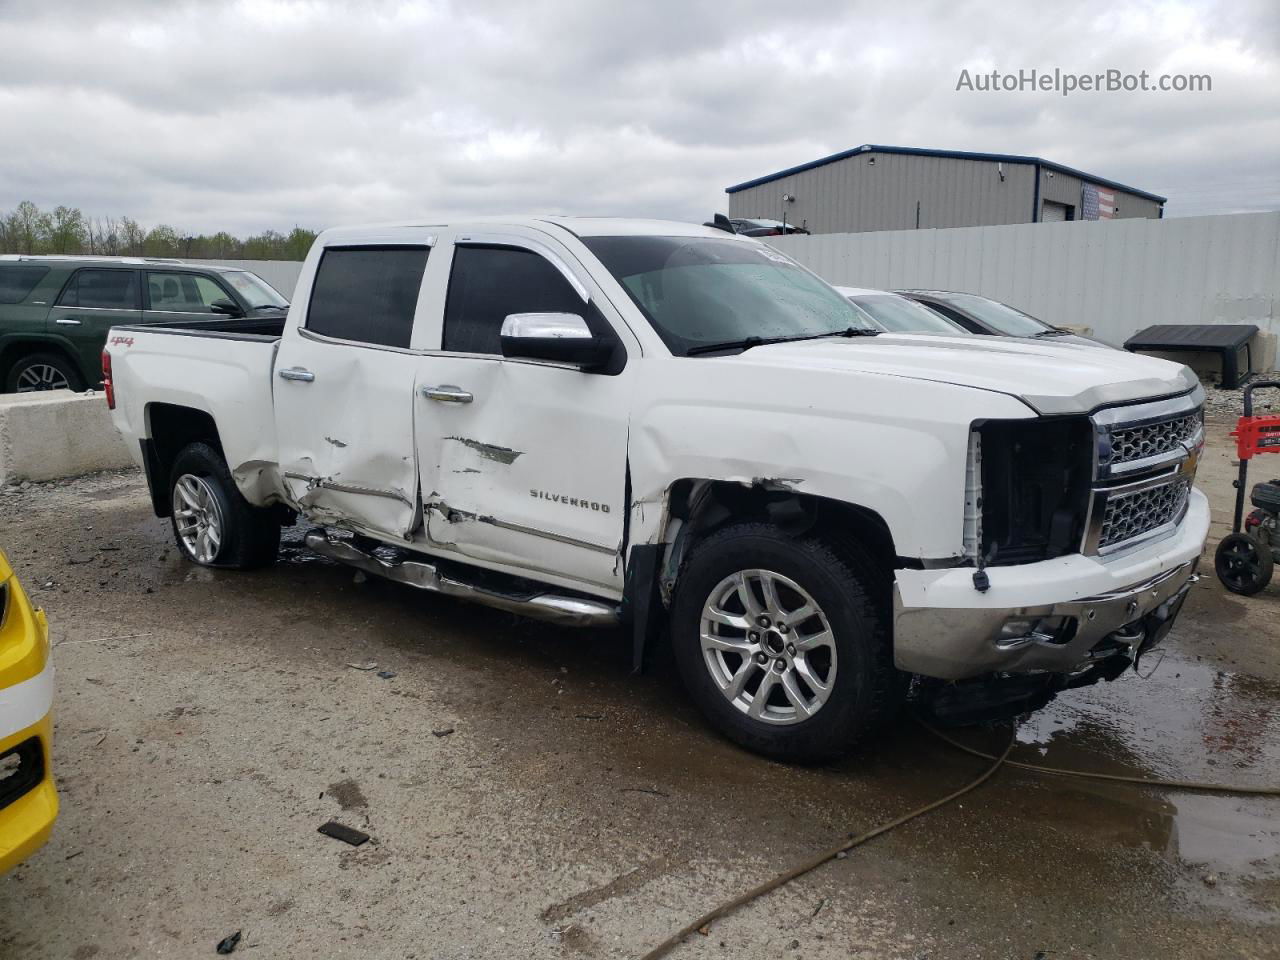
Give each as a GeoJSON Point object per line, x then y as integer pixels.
{"type": "Point", "coordinates": [208, 722]}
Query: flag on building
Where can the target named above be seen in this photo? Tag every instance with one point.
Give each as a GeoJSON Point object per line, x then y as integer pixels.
{"type": "Point", "coordinates": [1097, 203]}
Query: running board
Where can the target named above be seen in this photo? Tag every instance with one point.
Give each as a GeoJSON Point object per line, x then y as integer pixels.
{"type": "Point", "coordinates": [566, 611]}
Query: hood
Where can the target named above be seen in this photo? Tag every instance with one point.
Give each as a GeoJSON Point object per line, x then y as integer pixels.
{"type": "Point", "coordinates": [1050, 376]}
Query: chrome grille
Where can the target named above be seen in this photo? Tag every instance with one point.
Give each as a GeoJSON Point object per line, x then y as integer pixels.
{"type": "Point", "coordinates": [1129, 444]}
{"type": "Point", "coordinates": [1130, 515]}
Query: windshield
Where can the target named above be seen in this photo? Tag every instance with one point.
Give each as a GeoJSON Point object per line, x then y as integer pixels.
{"type": "Point", "coordinates": [698, 291]}
{"type": "Point", "coordinates": [1000, 316]}
{"type": "Point", "coordinates": [256, 291]}
{"type": "Point", "coordinates": [900, 315]}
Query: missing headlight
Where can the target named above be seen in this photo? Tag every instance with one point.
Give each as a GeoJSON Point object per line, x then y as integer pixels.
{"type": "Point", "coordinates": [1036, 476]}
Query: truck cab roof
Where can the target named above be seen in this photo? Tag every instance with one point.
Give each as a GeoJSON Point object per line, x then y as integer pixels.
{"type": "Point", "coordinates": [577, 226]}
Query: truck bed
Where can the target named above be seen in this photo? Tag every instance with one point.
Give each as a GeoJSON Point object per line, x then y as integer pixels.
{"type": "Point", "coordinates": [220, 367]}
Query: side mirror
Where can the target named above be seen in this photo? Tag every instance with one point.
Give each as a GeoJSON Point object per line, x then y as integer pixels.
{"type": "Point", "coordinates": [227, 307]}
{"type": "Point", "coordinates": [558, 337]}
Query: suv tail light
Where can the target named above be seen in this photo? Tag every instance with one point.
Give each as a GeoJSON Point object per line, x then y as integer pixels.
{"type": "Point", "coordinates": [107, 386]}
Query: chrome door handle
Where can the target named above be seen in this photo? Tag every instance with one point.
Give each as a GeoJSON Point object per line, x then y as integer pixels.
{"type": "Point", "coordinates": [296, 373]}
{"type": "Point", "coordinates": [68, 321]}
{"type": "Point", "coordinates": [447, 393]}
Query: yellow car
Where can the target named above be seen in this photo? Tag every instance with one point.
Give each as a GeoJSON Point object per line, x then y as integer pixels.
{"type": "Point", "coordinates": [28, 800]}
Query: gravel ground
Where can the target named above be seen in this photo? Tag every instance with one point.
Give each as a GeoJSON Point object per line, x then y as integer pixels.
{"type": "Point", "coordinates": [527, 798]}
{"type": "Point", "coordinates": [1227, 405]}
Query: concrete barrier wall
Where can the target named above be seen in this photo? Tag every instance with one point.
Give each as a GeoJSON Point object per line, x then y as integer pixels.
{"type": "Point", "coordinates": [57, 433]}
{"type": "Point", "coordinates": [1116, 276]}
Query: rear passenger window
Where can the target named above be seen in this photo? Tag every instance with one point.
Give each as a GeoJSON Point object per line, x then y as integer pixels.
{"type": "Point", "coordinates": [103, 289]}
{"type": "Point", "coordinates": [367, 294]}
{"type": "Point", "coordinates": [17, 282]}
{"type": "Point", "coordinates": [488, 283]}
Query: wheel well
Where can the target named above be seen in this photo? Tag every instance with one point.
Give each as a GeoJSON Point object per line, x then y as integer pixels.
{"type": "Point", "coordinates": [15, 350]}
{"type": "Point", "coordinates": [170, 428]}
{"type": "Point", "coordinates": [704, 506]}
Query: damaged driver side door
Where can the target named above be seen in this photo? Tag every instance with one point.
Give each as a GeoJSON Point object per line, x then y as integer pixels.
{"type": "Point", "coordinates": [523, 460]}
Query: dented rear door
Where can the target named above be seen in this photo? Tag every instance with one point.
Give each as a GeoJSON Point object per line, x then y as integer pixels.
{"type": "Point", "coordinates": [344, 389]}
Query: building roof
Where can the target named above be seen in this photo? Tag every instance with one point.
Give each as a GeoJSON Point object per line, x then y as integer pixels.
{"type": "Point", "coordinates": [949, 154]}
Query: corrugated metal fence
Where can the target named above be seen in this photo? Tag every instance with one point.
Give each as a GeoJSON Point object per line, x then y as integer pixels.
{"type": "Point", "coordinates": [1115, 276]}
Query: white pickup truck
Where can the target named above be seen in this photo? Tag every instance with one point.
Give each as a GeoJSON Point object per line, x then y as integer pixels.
{"type": "Point", "coordinates": [596, 421]}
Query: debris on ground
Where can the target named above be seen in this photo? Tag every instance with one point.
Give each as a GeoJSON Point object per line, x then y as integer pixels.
{"type": "Point", "coordinates": [340, 831]}
{"type": "Point", "coordinates": [442, 731]}
{"type": "Point", "coordinates": [367, 665]}
{"type": "Point", "coordinates": [387, 674]}
{"type": "Point", "coordinates": [228, 944]}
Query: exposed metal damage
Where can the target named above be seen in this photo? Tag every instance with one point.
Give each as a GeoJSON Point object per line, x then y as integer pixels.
{"type": "Point", "coordinates": [489, 451]}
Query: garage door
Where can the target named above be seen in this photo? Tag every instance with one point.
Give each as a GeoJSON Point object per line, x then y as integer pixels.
{"type": "Point", "coordinates": [1053, 212]}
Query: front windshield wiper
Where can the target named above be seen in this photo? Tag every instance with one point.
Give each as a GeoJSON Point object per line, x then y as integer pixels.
{"type": "Point", "coordinates": [748, 342]}
{"type": "Point", "coordinates": [1052, 333]}
{"type": "Point", "coordinates": [853, 332]}
{"type": "Point", "coordinates": [270, 306]}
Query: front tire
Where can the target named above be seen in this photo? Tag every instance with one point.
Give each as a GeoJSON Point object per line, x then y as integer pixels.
{"type": "Point", "coordinates": [214, 524]}
{"type": "Point", "coordinates": [783, 642]}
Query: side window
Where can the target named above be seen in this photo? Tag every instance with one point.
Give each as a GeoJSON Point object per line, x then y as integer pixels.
{"type": "Point", "coordinates": [17, 282]}
{"type": "Point", "coordinates": [488, 283]}
{"type": "Point", "coordinates": [182, 292]}
{"type": "Point", "coordinates": [367, 294]}
{"type": "Point", "coordinates": [208, 291]}
{"type": "Point", "coordinates": [103, 289]}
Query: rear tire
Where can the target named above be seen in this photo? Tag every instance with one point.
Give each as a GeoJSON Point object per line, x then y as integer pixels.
{"type": "Point", "coordinates": [43, 371]}
{"type": "Point", "coordinates": [214, 525]}
{"type": "Point", "coordinates": [827, 677]}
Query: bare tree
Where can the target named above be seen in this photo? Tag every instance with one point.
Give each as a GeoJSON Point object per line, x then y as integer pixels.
{"type": "Point", "coordinates": [132, 237]}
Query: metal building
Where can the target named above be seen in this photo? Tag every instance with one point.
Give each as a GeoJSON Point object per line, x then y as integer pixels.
{"type": "Point", "coordinates": [875, 187]}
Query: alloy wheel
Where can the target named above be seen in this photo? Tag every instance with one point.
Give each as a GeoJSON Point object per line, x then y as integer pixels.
{"type": "Point", "coordinates": [768, 647]}
{"type": "Point", "coordinates": [198, 517]}
{"type": "Point", "coordinates": [42, 376]}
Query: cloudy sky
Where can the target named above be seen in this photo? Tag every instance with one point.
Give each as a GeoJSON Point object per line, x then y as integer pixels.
{"type": "Point", "coordinates": [265, 114]}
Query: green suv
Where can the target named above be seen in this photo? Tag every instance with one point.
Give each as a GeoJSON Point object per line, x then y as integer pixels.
{"type": "Point", "coordinates": [55, 311]}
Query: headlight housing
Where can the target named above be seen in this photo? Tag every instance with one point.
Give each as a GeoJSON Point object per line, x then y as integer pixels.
{"type": "Point", "coordinates": [1027, 489]}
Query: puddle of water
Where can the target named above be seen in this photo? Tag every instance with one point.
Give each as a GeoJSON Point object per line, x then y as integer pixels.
{"type": "Point", "coordinates": [1225, 833]}
{"type": "Point", "coordinates": [1187, 721]}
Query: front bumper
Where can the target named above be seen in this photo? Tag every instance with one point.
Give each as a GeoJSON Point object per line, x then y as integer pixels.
{"type": "Point", "coordinates": [945, 628]}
